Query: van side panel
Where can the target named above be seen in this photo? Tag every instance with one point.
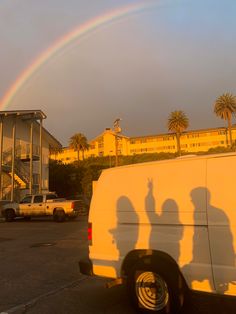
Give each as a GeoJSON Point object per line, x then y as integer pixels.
{"type": "Point", "coordinates": [157, 206]}
{"type": "Point", "coordinates": [221, 207]}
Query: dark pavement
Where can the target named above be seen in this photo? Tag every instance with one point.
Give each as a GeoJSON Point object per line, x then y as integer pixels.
{"type": "Point", "coordinates": [40, 274]}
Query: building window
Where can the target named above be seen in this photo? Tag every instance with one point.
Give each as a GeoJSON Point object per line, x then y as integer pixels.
{"type": "Point", "coordinates": [222, 132]}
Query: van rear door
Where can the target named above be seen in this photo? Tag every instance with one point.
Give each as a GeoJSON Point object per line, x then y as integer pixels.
{"type": "Point", "coordinates": [221, 210]}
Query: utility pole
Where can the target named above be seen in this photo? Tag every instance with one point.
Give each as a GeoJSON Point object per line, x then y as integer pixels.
{"type": "Point", "coordinates": [117, 130]}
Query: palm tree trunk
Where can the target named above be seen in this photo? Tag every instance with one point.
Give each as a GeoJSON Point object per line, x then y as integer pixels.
{"type": "Point", "coordinates": [78, 156]}
{"type": "Point", "coordinates": [178, 143]}
{"type": "Point", "coordinates": [230, 131]}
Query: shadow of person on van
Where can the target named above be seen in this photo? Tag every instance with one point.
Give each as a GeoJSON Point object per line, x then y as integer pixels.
{"type": "Point", "coordinates": [213, 244]}
{"type": "Point", "coordinates": [150, 204]}
{"type": "Point", "coordinates": [170, 220]}
{"type": "Point", "coordinates": [165, 223]}
{"type": "Point", "coordinates": [125, 234]}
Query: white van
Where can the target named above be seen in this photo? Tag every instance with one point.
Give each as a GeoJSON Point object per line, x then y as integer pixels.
{"type": "Point", "coordinates": [162, 227]}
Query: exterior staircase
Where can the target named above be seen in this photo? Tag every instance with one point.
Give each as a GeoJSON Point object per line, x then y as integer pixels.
{"type": "Point", "coordinates": [21, 169]}
{"type": "Point", "coordinates": [22, 184]}
{"type": "Point", "coordinates": [21, 173]}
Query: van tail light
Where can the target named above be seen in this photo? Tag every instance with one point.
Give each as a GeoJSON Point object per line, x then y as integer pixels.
{"type": "Point", "coordinates": [90, 233]}
{"type": "Point", "coordinates": [72, 205]}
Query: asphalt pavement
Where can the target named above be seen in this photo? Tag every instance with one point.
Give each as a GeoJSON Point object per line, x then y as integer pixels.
{"type": "Point", "coordinates": [39, 274]}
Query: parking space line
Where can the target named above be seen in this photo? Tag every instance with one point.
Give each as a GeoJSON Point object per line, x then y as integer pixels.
{"type": "Point", "coordinates": [25, 306]}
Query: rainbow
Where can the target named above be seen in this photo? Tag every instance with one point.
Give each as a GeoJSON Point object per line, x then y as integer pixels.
{"type": "Point", "coordinates": [61, 43]}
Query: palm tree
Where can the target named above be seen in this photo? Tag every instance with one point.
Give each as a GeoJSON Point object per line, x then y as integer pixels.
{"type": "Point", "coordinates": [178, 122]}
{"type": "Point", "coordinates": [79, 142]}
{"type": "Point", "coordinates": [55, 150]}
{"type": "Point", "coordinates": [225, 107]}
{"type": "Point", "coordinates": [85, 146]}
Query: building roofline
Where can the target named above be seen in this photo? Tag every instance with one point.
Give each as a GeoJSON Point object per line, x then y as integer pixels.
{"type": "Point", "coordinates": [106, 131]}
{"type": "Point", "coordinates": [30, 115]}
{"type": "Point", "coordinates": [185, 132]}
{"type": "Point", "coordinates": [50, 135]}
{"type": "Point", "coordinates": [25, 114]}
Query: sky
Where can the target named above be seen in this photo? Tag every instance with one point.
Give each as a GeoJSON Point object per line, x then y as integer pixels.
{"type": "Point", "coordinates": [133, 60]}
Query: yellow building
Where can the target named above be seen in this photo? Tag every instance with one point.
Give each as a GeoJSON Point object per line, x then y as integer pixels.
{"type": "Point", "coordinates": [191, 141]}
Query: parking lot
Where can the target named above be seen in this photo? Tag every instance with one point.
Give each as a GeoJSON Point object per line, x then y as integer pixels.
{"type": "Point", "coordinates": [40, 274]}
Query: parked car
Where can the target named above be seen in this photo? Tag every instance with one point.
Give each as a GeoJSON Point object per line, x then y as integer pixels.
{"type": "Point", "coordinates": [163, 228]}
{"type": "Point", "coordinates": [40, 205]}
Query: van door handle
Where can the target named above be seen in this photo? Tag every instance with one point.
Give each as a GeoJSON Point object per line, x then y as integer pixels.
{"type": "Point", "coordinates": [29, 205]}
{"type": "Point", "coordinates": [40, 204]}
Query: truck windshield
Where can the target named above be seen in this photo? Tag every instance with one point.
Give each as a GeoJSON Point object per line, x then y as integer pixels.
{"type": "Point", "coordinates": [26, 199]}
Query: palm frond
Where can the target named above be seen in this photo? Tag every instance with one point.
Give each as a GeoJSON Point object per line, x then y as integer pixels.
{"type": "Point", "coordinates": [178, 121]}
{"type": "Point", "coordinates": [225, 106]}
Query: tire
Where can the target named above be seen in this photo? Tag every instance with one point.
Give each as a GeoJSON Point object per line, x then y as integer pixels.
{"type": "Point", "coordinates": [9, 215]}
{"type": "Point", "coordinates": [155, 287]}
{"type": "Point", "coordinates": [59, 215]}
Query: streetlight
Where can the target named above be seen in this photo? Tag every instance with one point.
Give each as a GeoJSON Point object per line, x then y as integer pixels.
{"type": "Point", "coordinates": [117, 130]}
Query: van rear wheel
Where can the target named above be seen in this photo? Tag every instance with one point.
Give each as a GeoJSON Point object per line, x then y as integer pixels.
{"type": "Point", "coordinates": [154, 288]}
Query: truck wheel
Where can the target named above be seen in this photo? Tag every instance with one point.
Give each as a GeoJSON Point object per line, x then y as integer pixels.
{"type": "Point", "coordinates": [59, 215]}
{"type": "Point", "coordinates": [9, 214]}
{"type": "Point", "coordinates": [155, 288]}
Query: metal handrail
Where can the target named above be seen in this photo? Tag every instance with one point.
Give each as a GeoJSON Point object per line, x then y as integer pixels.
{"type": "Point", "coordinates": [22, 171]}
{"type": "Point", "coordinates": [20, 151]}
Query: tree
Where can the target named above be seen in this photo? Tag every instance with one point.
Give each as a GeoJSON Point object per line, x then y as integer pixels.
{"type": "Point", "coordinates": [65, 179]}
{"type": "Point", "coordinates": [78, 142]}
{"type": "Point", "coordinates": [225, 107]}
{"type": "Point", "coordinates": [177, 123]}
{"type": "Point", "coordinates": [85, 146]}
{"type": "Point", "coordinates": [55, 150]}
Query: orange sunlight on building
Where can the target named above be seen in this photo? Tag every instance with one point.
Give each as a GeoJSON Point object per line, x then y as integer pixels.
{"type": "Point", "coordinates": [191, 142]}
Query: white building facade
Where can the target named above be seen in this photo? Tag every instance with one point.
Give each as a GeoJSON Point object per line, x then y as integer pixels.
{"type": "Point", "coordinates": [24, 153]}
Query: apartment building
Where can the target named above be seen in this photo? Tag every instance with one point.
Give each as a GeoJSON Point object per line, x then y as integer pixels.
{"type": "Point", "coordinates": [191, 141]}
{"type": "Point", "coordinates": [24, 153]}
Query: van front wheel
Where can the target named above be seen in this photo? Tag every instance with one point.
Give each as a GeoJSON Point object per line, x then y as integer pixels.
{"type": "Point", "coordinates": [154, 288]}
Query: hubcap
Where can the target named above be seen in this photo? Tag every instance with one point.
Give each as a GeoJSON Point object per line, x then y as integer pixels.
{"type": "Point", "coordinates": [151, 291]}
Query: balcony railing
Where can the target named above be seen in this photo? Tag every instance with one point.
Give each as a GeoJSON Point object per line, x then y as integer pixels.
{"type": "Point", "coordinates": [21, 152]}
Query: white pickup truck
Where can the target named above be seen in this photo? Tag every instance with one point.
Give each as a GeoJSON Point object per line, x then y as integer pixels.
{"type": "Point", "coordinates": [40, 205]}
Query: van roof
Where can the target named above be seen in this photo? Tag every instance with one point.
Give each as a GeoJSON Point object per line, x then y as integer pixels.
{"type": "Point", "coordinates": [178, 159]}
